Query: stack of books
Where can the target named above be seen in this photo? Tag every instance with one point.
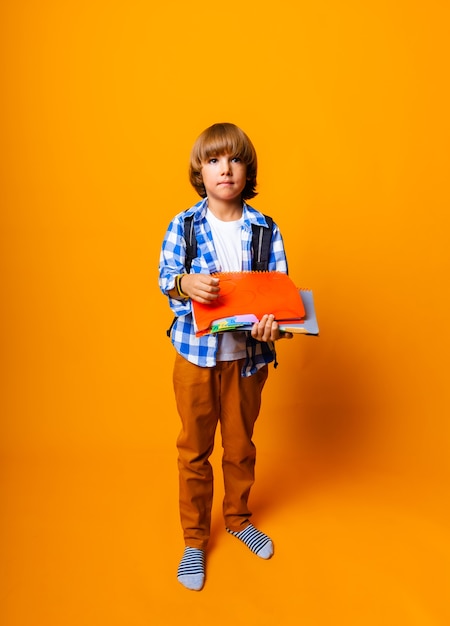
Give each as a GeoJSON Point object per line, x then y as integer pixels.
{"type": "Point", "coordinates": [246, 296]}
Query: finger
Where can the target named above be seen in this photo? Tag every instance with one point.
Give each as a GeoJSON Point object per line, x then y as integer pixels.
{"type": "Point", "coordinates": [204, 297]}
{"type": "Point", "coordinates": [259, 328]}
{"type": "Point", "coordinates": [209, 284]}
{"type": "Point", "coordinates": [268, 328]}
{"type": "Point", "coordinates": [274, 333]}
{"type": "Point", "coordinates": [262, 329]}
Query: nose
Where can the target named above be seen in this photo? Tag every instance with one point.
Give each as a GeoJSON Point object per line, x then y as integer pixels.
{"type": "Point", "coordinates": [225, 167]}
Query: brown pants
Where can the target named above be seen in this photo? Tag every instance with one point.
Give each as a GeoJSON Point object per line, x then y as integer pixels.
{"type": "Point", "coordinates": [204, 396]}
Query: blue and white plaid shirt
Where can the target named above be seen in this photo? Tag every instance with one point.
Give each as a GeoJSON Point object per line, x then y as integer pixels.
{"type": "Point", "coordinates": [202, 350]}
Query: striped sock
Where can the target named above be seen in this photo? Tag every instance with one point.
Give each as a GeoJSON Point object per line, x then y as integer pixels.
{"type": "Point", "coordinates": [258, 542]}
{"type": "Point", "coordinates": [191, 571]}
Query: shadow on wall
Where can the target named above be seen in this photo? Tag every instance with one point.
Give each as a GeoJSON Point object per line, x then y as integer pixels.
{"type": "Point", "coordinates": [322, 420]}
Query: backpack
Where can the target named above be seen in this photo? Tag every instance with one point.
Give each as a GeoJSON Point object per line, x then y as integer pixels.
{"type": "Point", "coordinates": [261, 241]}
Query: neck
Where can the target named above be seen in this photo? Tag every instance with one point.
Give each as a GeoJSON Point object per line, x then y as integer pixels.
{"type": "Point", "coordinates": [226, 211]}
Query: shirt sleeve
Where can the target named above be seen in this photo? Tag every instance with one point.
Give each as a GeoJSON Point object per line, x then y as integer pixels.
{"type": "Point", "coordinates": [171, 263]}
{"type": "Point", "coordinates": [277, 257]}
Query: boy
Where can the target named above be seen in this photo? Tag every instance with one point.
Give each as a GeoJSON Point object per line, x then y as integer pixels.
{"type": "Point", "coordinates": [217, 377]}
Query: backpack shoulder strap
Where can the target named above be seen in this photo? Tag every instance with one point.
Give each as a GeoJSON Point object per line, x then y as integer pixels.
{"type": "Point", "coordinates": [191, 242]}
{"type": "Point", "coordinates": [191, 252]}
{"type": "Point", "coordinates": [261, 241]}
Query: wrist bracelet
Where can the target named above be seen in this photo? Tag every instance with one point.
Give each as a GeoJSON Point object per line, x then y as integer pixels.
{"type": "Point", "coordinates": [178, 286]}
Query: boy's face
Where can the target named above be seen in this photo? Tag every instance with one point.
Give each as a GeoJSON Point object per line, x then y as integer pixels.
{"type": "Point", "coordinates": [224, 177]}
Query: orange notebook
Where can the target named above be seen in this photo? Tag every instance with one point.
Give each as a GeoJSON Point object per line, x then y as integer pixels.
{"type": "Point", "coordinates": [245, 293]}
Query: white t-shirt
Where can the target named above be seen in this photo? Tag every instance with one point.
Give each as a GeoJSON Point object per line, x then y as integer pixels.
{"type": "Point", "coordinates": [228, 245]}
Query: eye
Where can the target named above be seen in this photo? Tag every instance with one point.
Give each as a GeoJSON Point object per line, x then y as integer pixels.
{"type": "Point", "coordinates": [212, 160]}
{"type": "Point", "coordinates": [236, 159]}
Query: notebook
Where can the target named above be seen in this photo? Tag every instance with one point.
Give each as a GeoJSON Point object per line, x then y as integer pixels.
{"type": "Point", "coordinates": [307, 326]}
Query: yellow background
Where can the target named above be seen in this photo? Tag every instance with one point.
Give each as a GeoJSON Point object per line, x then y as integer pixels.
{"type": "Point", "coordinates": [347, 104]}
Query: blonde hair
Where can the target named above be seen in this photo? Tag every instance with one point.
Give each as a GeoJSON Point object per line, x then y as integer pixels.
{"type": "Point", "coordinates": [219, 139]}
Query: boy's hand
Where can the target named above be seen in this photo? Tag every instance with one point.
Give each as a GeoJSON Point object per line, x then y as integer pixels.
{"type": "Point", "coordinates": [267, 330]}
{"type": "Point", "coordinates": [202, 288]}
